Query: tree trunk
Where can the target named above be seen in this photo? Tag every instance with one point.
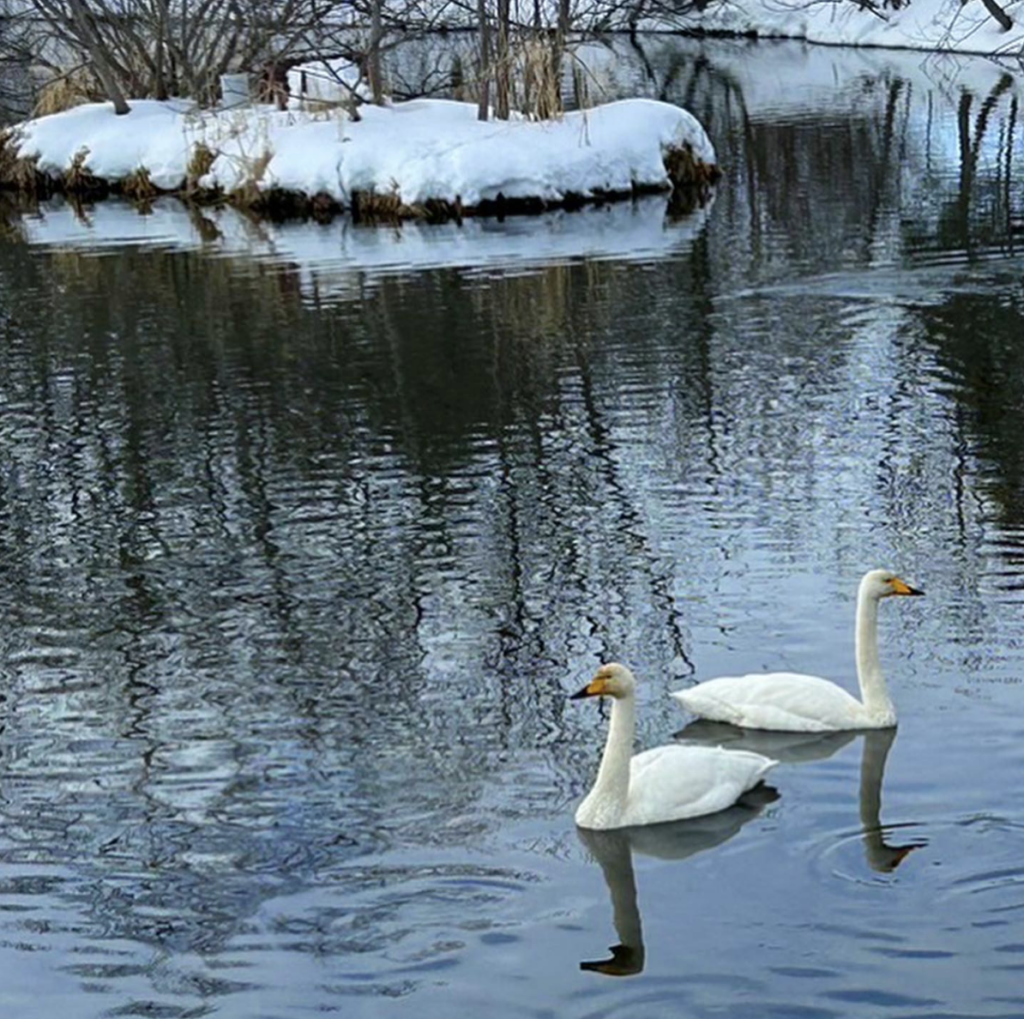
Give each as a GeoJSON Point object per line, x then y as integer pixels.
{"type": "Point", "coordinates": [501, 67]}
{"type": "Point", "coordinates": [97, 56]}
{"type": "Point", "coordinates": [159, 78]}
{"type": "Point", "coordinates": [554, 84]}
{"type": "Point", "coordinates": [484, 73]}
{"type": "Point", "coordinates": [373, 71]}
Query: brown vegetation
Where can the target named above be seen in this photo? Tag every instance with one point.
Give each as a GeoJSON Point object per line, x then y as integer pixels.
{"type": "Point", "coordinates": [18, 173]}
{"type": "Point", "coordinates": [138, 186]}
{"type": "Point", "coordinates": [199, 165]}
{"type": "Point", "coordinates": [79, 181]}
{"type": "Point", "coordinates": [686, 170]}
{"type": "Point", "coordinates": [62, 93]}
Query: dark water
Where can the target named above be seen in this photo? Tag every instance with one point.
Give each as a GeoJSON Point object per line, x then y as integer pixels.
{"type": "Point", "coordinates": [305, 533]}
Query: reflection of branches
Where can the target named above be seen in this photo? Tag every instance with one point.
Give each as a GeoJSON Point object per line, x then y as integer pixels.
{"type": "Point", "coordinates": [1002, 86]}
{"type": "Point", "coordinates": [884, 161]}
{"type": "Point", "coordinates": [970, 144]}
{"type": "Point", "coordinates": [1008, 172]}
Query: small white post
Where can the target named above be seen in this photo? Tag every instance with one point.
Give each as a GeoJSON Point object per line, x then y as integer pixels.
{"type": "Point", "coordinates": [234, 90]}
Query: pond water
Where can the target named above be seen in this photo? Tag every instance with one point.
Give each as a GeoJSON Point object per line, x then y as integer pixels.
{"type": "Point", "coordinates": [307, 531]}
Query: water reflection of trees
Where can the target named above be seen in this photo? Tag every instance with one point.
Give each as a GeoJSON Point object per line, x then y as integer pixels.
{"type": "Point", "coordinates": [977, 339]}
{"type": "Point", "coordinates": [275, 564]}
{"type": "Point", "coordinates": [910, 148]}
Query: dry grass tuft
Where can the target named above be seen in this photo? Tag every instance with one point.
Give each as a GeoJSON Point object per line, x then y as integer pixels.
{"type": "Point", "coordinates": [686, 170]}
{"type": "Point", "coordinates": [19, 173]}
{"type": "Point", "coordinates": [9, 157]}
{"type": "Point", "coordinates": [77, 178]}
{"type": "Point", "coordinates": [692, 179]}
{"type": "Point", "coordinates": [63, 93]}
{"type": "Point", "coordinates": [27, 177]}
{"type": "Point", "coordinates": [246, 196]}
{"type": "Point", "coordinates": [249, 194]}
{"type": "Point", "coordinates": [138, 186]}
{"type": "Point", "coordinates": [258, 166]}
{"type": "Point", "coordinates": [199, 165]}
{"type": "Point", "coordinates": [376, 207]}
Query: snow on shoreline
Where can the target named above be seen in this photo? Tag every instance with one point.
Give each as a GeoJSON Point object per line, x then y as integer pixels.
{"type": "Point", "coordinates": [958, 26]}
{"type": "Point", "coordinates": [418, 151]}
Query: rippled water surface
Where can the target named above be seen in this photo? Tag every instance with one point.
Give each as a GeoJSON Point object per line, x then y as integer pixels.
{"type": "Point", "coordinates": [307, 531]}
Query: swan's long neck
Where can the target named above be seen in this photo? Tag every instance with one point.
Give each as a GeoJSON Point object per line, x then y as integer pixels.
{"type": "Point", "coordinates": [874, 692]}
{"type": "Point", "coordinates": [607, 799]}
{"type": "Point", "coordinates": [613, 775]}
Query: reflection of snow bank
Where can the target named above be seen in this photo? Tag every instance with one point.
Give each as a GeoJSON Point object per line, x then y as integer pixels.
{"type": "Point", "coordinates": [916, 24]}
{"type": "Point", "coordinates": [331, 258]}
{"type": "Point", "coordinates": [417, 151]}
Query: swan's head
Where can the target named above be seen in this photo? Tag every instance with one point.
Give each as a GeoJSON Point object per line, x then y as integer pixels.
{"type": "Point", "coordinates": [609, 681]}
{"type": "Point", "coordinates": [884, 584]}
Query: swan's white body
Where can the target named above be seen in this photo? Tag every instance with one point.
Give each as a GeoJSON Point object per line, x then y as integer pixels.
{"type": "Point", "coordinates": [668, 783]}
{"type": "Point", "coordinates": [793, 702]}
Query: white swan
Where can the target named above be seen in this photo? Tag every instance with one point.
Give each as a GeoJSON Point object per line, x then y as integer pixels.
{"type": "Point", "coordinates": [667, 783]}
{"type": "Point", "coordinates": [793, 702]}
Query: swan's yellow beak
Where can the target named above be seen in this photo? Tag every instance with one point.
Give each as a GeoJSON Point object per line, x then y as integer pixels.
{"type": "Point", "coordinates": [902, 587]}
{"type": "Point", "coordinates": [597, 687]}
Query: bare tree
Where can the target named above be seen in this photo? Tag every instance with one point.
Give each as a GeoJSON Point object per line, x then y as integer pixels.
{"type": "Point", "coordinates": [484, 84]}
{"type": "Point", "coordinates": [162, 48]}
{"type": "Point", "coordinates": [91, 42]}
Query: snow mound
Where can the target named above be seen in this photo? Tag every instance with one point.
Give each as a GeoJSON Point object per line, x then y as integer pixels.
{"type": "Point", "coordinates": [416, 152]}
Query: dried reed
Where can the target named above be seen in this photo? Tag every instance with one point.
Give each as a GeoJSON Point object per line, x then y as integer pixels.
{"type": "Point", "coordinates": [79, 180]}
{"type": "Point", "coordinates": [199, 165]}
{"type": "Point", "coordinates": [63, 93]}
{"type": "Point", "coordinates": [138, 186]}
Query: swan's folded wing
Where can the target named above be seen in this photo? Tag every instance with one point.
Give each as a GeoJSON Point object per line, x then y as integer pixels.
{"type": "Point", "coordinates": [673, 782]}
{"type": "Point", "coordinates": [775, 700]}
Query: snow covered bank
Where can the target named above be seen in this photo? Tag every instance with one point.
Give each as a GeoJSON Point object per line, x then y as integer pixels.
{"type": "Point", "coordinates": [425, 157]}
{"type": "Point", "coordinates": [961, 26]}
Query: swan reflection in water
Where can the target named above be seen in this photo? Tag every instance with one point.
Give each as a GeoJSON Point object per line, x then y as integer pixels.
{"type": "Point", "coordinates": [613, 849]}
{"type": "Point", "coordinates": [800, 747]}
